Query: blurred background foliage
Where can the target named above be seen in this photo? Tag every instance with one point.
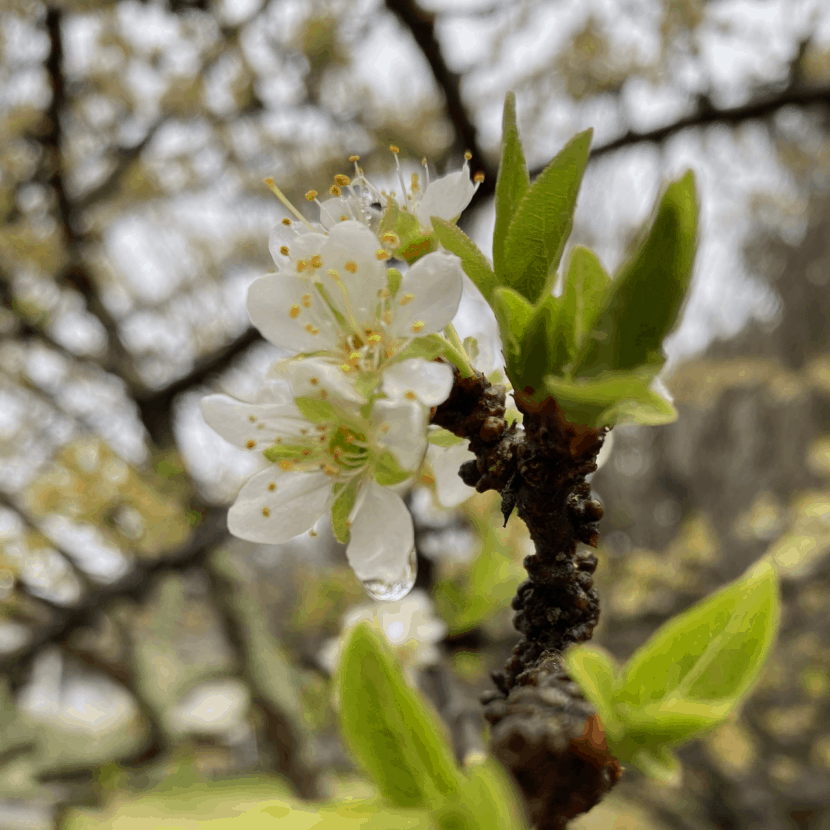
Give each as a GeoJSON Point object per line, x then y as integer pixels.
{"type": "Point", "coordinates": [156, 672]}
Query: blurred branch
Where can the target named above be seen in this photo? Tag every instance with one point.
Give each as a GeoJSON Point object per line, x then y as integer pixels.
{"type": "Point", "coordinates": [156, 406]}
{"type": "Point", "coordinates": [706, 115]}
{"type": "Point", "coordinates": [421, 24]}
{"type": "Point", "coordinates": [135, 585]}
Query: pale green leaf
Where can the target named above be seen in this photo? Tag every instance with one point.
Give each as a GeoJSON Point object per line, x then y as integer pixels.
{"type": "Point", "coordinates": [512, 182]}
{"type": "Point", "coordinates": [513, 313]}
{"type": "Point", "coordinates": [586, 284]}
{"type": "Point", "coordinates": [543, 221]}
{"type": "Point", "coordinates": [390, 731]}
{"type": "Point", "coordinates": [540, 355]}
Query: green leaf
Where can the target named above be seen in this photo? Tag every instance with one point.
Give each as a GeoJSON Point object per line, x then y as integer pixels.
{"type": "Point", "coordinates": [512, 182]}
{"type": "Point", "coordinates": [387, 472]}
{"type": "Point", "coordinates": [713, 651]}
{"type": "Point", "coordinates": [543, 222]}
{"type": "Point", "coordinates": [585, 287]}
{"type": "Point", "coordinates": [444, 438]}
{"type": "Point", "coordinates": [316, 410]}
{"type": "Point", "coordinates": [390, 730]}
{"type": "Point", "coordinates": [611, 398]}
{"type": "Point", "coordinates": [596, 672]}
{"type": "Point", "coordinates": [660, 764]}
{"type": "Point", "coordinates": [540, 355]}
{"type": "Point", "coordinates": [644, 299]}
{"type": "Point", "coordinates": [513, 313]}
{"type": "Point", "coordinates": [341, 508]}
{"type": "Point", "coordinates": [474, 263]}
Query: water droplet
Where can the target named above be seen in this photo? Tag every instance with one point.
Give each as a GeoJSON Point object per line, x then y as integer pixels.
{"type": "Point", "coordinates": [390, 590]}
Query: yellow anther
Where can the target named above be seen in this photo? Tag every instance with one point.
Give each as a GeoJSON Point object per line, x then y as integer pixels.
{"type": "Point", "coordinates": [323, 394]}
{"type": "Point", "coordinates": [294, 312]}
{"type": "Point", "coordinates": [301, 265]}
{"type": "Point", "coordinates": [313, 381]}
{"type": "Point", "coordinates": [381, 254]}
{"type": "Point", "coordinates": [252, 418]}
{"type": "Point", "coordinates": [330, 471]}
{"type": "Point", "coordinates": [407, 299]}
{"type": "Point", "coordinates": [410, 395]}
{"type": "Point", "coordinates": [342, 180]}
{"type": "Point", "coordinates": [312, 532]}
{"type": "Point", "coordinates": [250, 444]}
{"type": "Point", "coordinates": [394, 148]}
{"type": "Point", "coordinates": [468, 155]}
{"type": "Point", "coordinates": [320, 428]}
{"type": "Point", "coordinates": [479, 177]}
{"type": "Point", "coordinates": [354, 358]}
{"type": "Point", "coordinates": [284, 250]}
{"type": "Point", "coordinates": [316, 261]}
{"type": "Point", "coordinates": [391, 238]}
{"type": "Point", "coordinates": [335, 190]}
{"type": "Point", "coordinates": [272, 486]}
{"type": "Point", "coordinates": [374, 338]}
{"type": "Point", "coordinates": [351, 266]}
{"type": "Point", "coordinates": [287, 222]}
{"type": "Point", "coordinates": [307, 300]}
{"type": "Point", "coordinates": [287, 464]}
{"type": "Point", "coordinates": [345, 368]}
{"type": "Point", "coordinates": [353, 159]}
{"type": "Point", "coordinates": [306, 451]}
{"type": "Point", "coordinates": [279, 440]}
{"type": "Point", "coordinates": [266, 512]}
{"type": "Point", "coordinates": [311, 195]}
{"type": "Point", "coordinates": [417, 326]}
{"type": "Point", "coordinates": [312, 329]}
{"type": "Point", "coordinates": [343, 217]}
{"type": "Point", "coordinates": [334, 274]}
{"type": "Point", "coordinates": [414, 186]}
{"type": "Point", "coordinates": [424, 161]}
{"type": "Point", "coordinates": [390, 351]}
{"type": "Point", "coordinates": [260, 426]}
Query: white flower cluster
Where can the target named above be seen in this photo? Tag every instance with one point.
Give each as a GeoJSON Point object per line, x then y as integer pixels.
{"type": "Point", "coordinates": [346, 418]}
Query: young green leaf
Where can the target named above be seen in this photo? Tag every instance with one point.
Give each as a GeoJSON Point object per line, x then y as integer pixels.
{"type": "Point", "coordinates": [389, 729]}
{"type": "Point", "coordinates": [596, 673]}
{"type": "Point", "coordinates": [474, 263]}
{"type": "Point", "coordinates": [540, 355]}
{"type": "Point", "coordinates": [513, 313]}
{"type": "Point", "coordinates": [512, 182]}
{"type": "Point", "coordinates": [586, 284]}
{"type": "Point", "coordinates": [341, 508]}
{"type": "Point", "coordinates": [543, 222]}
{"type": "Point", "coordinates": [713, 651]}
{"type": "Point", "coordinates": [644, 300]}
{"type": "Point", "coordinates": [611, 398]}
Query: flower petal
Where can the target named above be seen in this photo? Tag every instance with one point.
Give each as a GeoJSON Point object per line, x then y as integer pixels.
{"type": "Point", "coordinates": [446, 197]}
{"type": "Point", "coordinates": [274, 506]}
{"type": "Point", "coordinates": [251, 426]}
{"type": "Point", "coordinates": [428, 296]}
{"type": "Point", "coordinates": [382, 536]}
{"type": "Point", "coordinates": [290, 313]}
{"type": "Point", "coordinates": [426, 380]}
{"type": "Point", "coordinates": [314, 377]}
{"type": "Point", "coordinates": [402, 430]}
{"type": "Point", "coordinates": [301, 244]}
{"type": "Point", "coordinates": [445, 463]}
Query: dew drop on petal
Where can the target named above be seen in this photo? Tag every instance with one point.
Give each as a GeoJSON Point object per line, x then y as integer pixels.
{"type": "Point", "coordinates": [392, 590]}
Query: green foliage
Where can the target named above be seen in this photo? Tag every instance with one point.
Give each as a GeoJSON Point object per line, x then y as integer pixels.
{"type": "Point", "coordinates": [543, 222]}
{"type": "Point", "coordinates": [512, 183]}
{"type": "Point", "coordinates": [687, 677]}
{"type": "Point", "coordinates": [644, 300]}
{"type": "Point", "coordinates": [598, 346]}
{"type": "Point", "coordinates": [389, 729]}
{"type": "Point", "coordinates": [475, 264]}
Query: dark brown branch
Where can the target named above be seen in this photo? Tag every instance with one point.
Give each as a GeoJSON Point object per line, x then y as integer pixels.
{"type": "Point", "coordinates": [544, 731]}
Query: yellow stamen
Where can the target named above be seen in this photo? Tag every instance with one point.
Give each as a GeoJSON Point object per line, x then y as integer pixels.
{"type": "Point", "coordinates": [374, 338]}
{"type": "Point", "coordinates": [391, 238]}
{"type": "Point", "coordinates": [284, 250]}
{"type": "Point", "coordinates": [266, 512]}
{"type": "Point", "coordinates": [342, 180]}
{"type": "Point", "coordinates": [272, 486]}
{"type": "Point", "coordinates": [286, 221]}
{"type": "Point", "coordinates": [287, 464]}
{"type": "Point", "coordinates": [311, 195]}
{"type": "Point", "coordinates": [334, 274]}
{"type": "Point", "coordinates": [410, 395]}
{"type": "Point", "coordinates": [417, 326]}
{"type": "Point", "coordinates": [252, 418]}
{"type": "Point", "coordinates": [353, 159]}
{"type": "Point", "coordinates": [279, 194]}
{"type": "Point", "coordinates": [479, 177]}
{"type": "Point", "coordinates": [394, 148]}
{"type": "Point", "coordinates": [250, 444]}
{"type": "Point", "coordinates": [384, 293]}
{"type": "Point", "coordinates": [335, 190]}
{"type": "Point", "coordinates": [301, 266]}
{"type": "Point", "coordinates": [316, 261]}
{"type": "Point", "coordinates": [468, 155]}
{"type": "Point", "coordinates": [294, 313]}
{"type": "Point", "coordinates": [407, 299]}
{"type": "Point", "coordinates": [351, 266]}
{"type": "Point", "coordinates": [307, 300]}
{"type": "Point", "coordinates": [381, 254]}
{"type": "Point", "coordinates": [387, 317]}
{"type": "Point", "coordinates": [313, 329]}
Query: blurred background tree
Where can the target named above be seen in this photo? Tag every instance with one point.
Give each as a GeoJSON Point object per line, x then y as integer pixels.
{"type": "Point", "coordinates": [139, 643]}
